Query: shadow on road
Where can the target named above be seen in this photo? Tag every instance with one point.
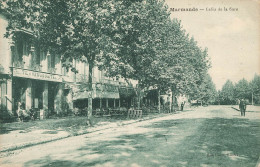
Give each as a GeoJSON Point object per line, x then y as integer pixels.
{"type": "Point", "coordinates": [182, 142]}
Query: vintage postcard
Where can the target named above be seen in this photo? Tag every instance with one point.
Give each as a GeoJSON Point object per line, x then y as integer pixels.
{"type": "Point", "coordinates": [135, 83]}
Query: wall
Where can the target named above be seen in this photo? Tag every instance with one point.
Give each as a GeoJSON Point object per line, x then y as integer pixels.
{"type": "Point", "coordinates": [4, 46]}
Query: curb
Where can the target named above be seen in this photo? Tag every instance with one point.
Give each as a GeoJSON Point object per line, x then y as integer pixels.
{"type": "Point", "coordinates": [17, 147]}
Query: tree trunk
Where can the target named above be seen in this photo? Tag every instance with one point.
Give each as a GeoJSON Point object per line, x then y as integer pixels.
{"type": "Point", "coordinates": [138, 98]}
{"type": "Point", "coordinates": [173, 101]}
{"type": "Point", "coordinates": [90, 80]}
{"type": "Point", "coordinates": [173, 89]}
{"type": "Point", "coordinates": [170, 103]}
{"type": "Point", "coordinates": [138, 102]}
{"type": "Point", "coordinates": [159, 101]}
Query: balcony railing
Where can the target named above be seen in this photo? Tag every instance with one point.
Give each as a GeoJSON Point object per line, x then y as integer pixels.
{"type": "Point", "coordinates": [107, 81]}
{"type": "Point", "coordinates": [18, 64]}
{"type": "Point", "coordinates": [81, 78]}
{"type": "Point", "coordinates": [52, 70]}
{"type": "Point", "coordinates": [36, 67]}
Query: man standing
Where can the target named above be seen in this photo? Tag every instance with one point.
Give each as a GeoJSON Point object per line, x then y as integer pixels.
{"type": "Point", "coordinates": [242, 107]}
{"type": "Point", "coordinates": [182, 105]}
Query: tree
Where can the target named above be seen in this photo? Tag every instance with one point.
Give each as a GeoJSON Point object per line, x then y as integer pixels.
{"type": "Point", "coordinates": [185, 64]}
{"type": "Point", "coordinates": [141, 31]}
{"type": "Point", "coordinates": [133, 39]}
{"type": "Point", "coordinates": [141, 37]}
{"type": "Point", "coordinates": [242, 89]}
{"type": "Point", "coordinates": [80, 29]}
{"type": "Point", "coordinates": [208, 90]}
{"type": "Point", "coordinates": [254, 86]}
{"type": "Point", "coordinates": [227, 94]}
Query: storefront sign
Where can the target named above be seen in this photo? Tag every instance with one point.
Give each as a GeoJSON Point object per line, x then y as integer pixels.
{"type": "Point", "coordinates": [36, 75]}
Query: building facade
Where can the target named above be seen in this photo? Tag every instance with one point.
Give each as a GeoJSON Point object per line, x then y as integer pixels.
{"type": "Point", "coordinates": [35, 78]}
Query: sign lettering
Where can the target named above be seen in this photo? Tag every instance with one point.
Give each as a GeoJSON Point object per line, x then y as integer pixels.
{"type": "Point", "coordinates": [36, 75]}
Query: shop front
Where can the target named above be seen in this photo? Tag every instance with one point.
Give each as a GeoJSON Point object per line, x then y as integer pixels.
{"type": "Point", "coordinates": [37, 90]}
{"type": "Point", "coordinates": [127, 95]}
{"type": "Point", "coordinates": [5, 93]}
{"type": "Point", "coordinates": [104, 96]}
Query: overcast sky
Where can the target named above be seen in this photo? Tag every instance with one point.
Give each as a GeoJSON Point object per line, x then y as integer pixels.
{"type": "Point", "coordinates": [232, 37]}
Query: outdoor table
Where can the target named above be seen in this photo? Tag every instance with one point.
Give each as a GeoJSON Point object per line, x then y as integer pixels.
{"type": "Point", "coordinates": [98, 112]}
{"type": "Point", "coordinates": [139, 112]}
{"type": "Point", "coordinates": [134, 113]}
{"type": "Point", "coordinates": [106, 112]}
{"type": "Point", "coordinates": [116, 111]}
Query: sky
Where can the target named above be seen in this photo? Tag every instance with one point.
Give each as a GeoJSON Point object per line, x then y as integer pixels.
{"type": "Point", "coordinates": [232, 37]}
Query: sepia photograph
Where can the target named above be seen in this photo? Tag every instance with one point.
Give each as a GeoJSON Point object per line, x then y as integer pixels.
{"type": "Point", "coordinates": [130, 83]}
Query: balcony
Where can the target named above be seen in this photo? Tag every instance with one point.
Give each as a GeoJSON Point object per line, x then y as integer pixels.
{"type": "Point", "coordinates": [36, 67]}
{"type": "Point", "coordinates": [52, 70]}
{"type": "Point", "coordinates": [18, 64]}
{"type": "Point", "coordinates": [81, 78]}
{"type": "Point", "coordinates": [108, 81]}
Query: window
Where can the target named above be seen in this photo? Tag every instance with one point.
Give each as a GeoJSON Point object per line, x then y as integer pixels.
{"type": "Point", "coordinates": [65, 72]}
{"type": "Point", "coordinates": [22, 48]}
{"type": "Point", "coordinates": [80, 67]}
{"type": "Point", "coordinates": [26, 47]}
{"type": "Point", "coordinates": [19, 50]}
{"type": "Point", "coordinates": [37, 55]}
{"type": "Point", "coordinates": [53, 61]}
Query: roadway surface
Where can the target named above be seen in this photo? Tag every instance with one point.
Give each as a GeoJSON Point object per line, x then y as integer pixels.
{"type": "Point", "coordinates": [205, 136]}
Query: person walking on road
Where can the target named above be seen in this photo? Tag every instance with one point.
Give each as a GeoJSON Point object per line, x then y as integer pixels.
{"type": "Point", "coordinates": [182, 106]}
{"type": "Point", "coordinates": [242, 107]}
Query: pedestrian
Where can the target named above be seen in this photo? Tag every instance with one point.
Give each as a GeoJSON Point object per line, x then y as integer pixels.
{"type": "Point", "coordinates": [182, 105]}
{"type": "Point", "coordinates": [20, 111]}
{"type": "Point", "coordinates": [242, 107]}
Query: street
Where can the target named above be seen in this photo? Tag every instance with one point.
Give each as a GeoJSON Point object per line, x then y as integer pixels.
{"type": "Point", "coordinates": [204, 136]}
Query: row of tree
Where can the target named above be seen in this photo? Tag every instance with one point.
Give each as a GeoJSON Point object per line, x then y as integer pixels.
{"type": "Point", "coordinates": [249, 90]}
{"type": "Point", "coordinates": [134, 39]}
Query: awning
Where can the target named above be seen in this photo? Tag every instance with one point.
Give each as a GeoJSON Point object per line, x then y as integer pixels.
{"type": "Point", "coordinates": [96, 94]}
{"type": "Point", "coordinates": [151, 93]}
{"type": "Point", "coordinates": [126, 92]}
{"type": "Point", "coordinates": [106, 91]}
{"type": "Point", "coordinates": [80, 95]}
{"type": "Point", "coordinates": [107, 95]}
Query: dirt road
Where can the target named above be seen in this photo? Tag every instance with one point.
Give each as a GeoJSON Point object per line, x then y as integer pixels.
{"type": "Point", "coordinates": [206, 136]}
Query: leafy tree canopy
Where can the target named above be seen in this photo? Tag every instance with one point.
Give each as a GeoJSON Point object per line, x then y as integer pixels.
{"type": "Point", "coordinates": [133, 39]}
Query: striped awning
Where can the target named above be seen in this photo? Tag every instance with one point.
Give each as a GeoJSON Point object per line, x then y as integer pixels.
{"type": "Point", "coordinates": [107, 91]}
{"type": "Point", "coordinates": [96, 94]}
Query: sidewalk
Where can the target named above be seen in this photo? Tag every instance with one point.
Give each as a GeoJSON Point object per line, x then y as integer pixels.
{"type": "Point", "coordinates": [34, 134]}
{"type": "Point", "coordinates": [17, 139]}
